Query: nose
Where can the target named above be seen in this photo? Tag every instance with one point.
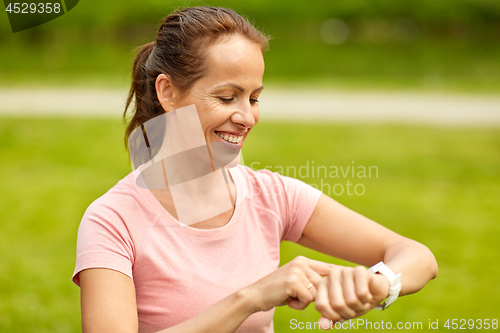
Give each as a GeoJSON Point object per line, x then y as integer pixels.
{"type": "Point", "coordinates": [246, 115]}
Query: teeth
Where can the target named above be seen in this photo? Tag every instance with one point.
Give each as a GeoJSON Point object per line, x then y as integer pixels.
{"type": "Point", "coordinates": [232, 139]}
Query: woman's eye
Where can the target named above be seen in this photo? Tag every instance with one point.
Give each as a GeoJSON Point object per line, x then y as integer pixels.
{"type": "Point", "coordinates": [230, 99]}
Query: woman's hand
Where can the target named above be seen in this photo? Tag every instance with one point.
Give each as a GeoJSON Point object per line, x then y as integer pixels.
{"type": "Point", "coordinates": [290, 284]}
{"type": "Point", "coordinates": [349, 292]}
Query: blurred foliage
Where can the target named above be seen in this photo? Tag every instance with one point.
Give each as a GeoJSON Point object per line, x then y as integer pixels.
{"type": "Point", "coordinates": [439, 44]}
{"type": "Point", "coordinates": [457, 17]}
{"type": "Point", "coordinates": [439, 186]}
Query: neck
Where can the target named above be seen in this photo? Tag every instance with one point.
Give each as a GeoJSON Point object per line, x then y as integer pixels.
{"type": "Point", "coordinates": [195, 200]}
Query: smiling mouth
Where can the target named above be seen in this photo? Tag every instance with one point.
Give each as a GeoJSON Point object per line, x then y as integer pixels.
{"type": "Point", "coordinates": [231, 138]}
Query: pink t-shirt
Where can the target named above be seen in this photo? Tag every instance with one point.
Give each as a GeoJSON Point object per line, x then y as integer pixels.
{"type": "Point", "coordinates": [179, 271]}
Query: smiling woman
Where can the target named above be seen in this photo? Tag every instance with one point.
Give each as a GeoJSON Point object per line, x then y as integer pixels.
{"type": "Point", "coordinates": [142, 268]}
{"type": "Point", "coordinates": [182, 51]}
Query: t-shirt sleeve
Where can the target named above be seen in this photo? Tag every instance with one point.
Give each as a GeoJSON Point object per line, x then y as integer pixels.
{"type": "Point", "coordinates": [103, 241]}
{"type": "Point", "coordinates": [300, 201]}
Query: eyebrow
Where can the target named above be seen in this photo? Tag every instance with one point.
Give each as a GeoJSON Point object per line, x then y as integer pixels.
{"type": "Point", "coordinates": [239, 87]}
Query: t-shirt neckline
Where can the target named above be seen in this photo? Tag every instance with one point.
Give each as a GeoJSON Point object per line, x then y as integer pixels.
{"type": "Point", "coordinates": [167, 220]}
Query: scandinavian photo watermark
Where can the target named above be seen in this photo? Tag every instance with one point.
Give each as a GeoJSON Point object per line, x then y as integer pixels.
{"type": "Point", "coordinates": [332, 180]}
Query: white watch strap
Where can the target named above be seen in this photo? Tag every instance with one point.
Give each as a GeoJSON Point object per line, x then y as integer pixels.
{"type": "Point", "coordinates": [394, 283]}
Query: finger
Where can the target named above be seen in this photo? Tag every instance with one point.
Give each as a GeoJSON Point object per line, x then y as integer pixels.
{"type": "Point", "coordinates": [361, 283]}
{"type": "Point", "coordinates": [313, 276]}
{"type": "Point", "coordinates": [322, 302]}
{"type": "Point", "coordinates": [311, 288]}
{"type": "Point", "coordinates": [320, 267]}
{"type": "Point", "coordinates": [302, 295]}
{"type": "Point", "coordinates": [325, 323]}
{"type": "Point", "coordinates": [350, 292]}
{"type": "Point", "coordinates": [336, 294]}
{"type": "Point", "coordinates": [379, 286]}
{"type": "Point", "coordinates": [315, 279]}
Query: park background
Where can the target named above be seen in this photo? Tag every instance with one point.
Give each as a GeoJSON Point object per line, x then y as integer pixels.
{"type": "Point", "coordinates": [436, 184]}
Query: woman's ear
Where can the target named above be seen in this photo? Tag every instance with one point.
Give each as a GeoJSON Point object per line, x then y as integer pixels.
{"type": "Point", "coordinates": [165, 92]}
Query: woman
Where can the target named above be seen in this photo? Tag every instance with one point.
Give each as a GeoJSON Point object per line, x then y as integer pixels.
{"type": "Point", "coordinates": [140, 268]}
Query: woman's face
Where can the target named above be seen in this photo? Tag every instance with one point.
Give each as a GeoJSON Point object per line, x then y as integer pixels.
{"type": "Point", "coordinates": [227, 97]}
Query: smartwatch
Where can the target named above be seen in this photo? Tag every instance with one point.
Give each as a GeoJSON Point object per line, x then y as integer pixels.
{"type": "Point", "coordinates": [394, 284]}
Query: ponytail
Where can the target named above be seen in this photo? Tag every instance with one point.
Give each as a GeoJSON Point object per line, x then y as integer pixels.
{"type": "Point", "coordinates": [142, 91]}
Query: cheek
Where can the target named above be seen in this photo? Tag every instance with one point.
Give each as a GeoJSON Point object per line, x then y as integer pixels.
{"type": "Point", "coordinates": [256, 115]}
{"type": "Point", "coordinates": [212, 115]}
{"type": "Point", "coordinates": [206, 111]}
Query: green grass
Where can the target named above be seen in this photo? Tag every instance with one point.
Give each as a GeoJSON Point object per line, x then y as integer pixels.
{"type": "Point", "coordinates": [440, 186]}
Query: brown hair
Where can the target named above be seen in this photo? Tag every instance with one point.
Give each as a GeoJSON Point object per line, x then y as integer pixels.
{"type": "Point", "coordinates": [178, 52]}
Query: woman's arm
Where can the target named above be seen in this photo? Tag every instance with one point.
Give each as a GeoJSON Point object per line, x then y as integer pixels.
{"type": "Point", "coordinates": [340, 232]}
{"type": "Point", "coordinates": [109, 305]}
